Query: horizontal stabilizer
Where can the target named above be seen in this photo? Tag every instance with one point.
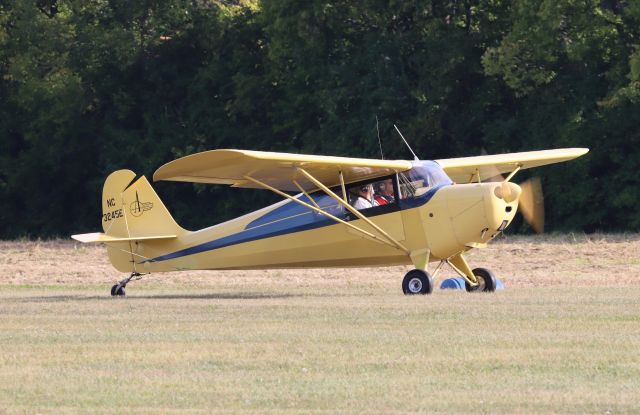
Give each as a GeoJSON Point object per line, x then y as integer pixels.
{"type": "Point", "coordinates": [101, 237]}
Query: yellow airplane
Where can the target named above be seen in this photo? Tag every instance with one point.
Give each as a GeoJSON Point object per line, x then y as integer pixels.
{"type": "Point", "coordinates": [336, 212]}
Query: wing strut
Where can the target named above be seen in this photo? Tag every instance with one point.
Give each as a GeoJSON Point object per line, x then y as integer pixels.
{"type": "Point", "coordinates": [306, 194]}
{"type": "Point", "coordinates": [344, 189]}
{"type": "Point", "coordinates": [353, 210]}
{"type": "Point", "coordinates": [322, 212]}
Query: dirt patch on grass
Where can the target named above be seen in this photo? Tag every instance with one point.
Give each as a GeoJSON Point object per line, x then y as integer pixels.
{"type": "Point", "coordinates": [531, 261]}
{"type": "Point", "coordinates": [569, 260]}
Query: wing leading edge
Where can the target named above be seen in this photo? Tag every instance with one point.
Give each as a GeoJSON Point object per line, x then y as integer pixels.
{"type": "Point", "coordinates": [467, 169]}
{"type": "Point", "coordinates": [278, 170]}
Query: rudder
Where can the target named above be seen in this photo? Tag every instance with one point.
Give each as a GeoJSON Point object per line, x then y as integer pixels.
{"type": "Point", "coordinates": [132, 209]}
{"type": "Point", "coordinates": [133, 214]}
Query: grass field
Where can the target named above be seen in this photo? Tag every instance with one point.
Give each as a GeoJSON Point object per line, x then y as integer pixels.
{"type": "Point", "coordinates": [563, 337]}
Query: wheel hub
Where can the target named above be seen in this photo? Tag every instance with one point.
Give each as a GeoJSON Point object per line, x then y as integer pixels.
{"type": "Point", "coordinates": [415, 285]}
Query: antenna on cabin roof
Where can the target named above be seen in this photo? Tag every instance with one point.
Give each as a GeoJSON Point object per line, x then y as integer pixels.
{"type": "Point", "coordinates": [379, 142]}
{"type": "Point", "coordinates": [407, 144]}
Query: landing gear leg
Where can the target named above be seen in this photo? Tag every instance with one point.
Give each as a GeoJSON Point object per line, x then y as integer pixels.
{"type": "Point", "coordinates": [476, 280]}
{"type": "Point", "coordinates": [486, 280]}
{"type": "Point", "coordinates": [118, 290]}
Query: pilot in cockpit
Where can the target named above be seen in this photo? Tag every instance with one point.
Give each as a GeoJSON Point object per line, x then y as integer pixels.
{"type": "Point", "coordinates": [363, 197]}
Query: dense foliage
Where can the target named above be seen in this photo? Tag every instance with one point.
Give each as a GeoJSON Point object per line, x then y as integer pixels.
{"type": "Point", "coordinates": [90, 87]}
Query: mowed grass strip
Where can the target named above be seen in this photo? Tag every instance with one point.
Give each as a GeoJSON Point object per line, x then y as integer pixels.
{"type": "Point", "coordinates": [275, 348]}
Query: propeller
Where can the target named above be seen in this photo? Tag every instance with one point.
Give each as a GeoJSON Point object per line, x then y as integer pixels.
{"type": "Point", "coordinates": [531, 203]}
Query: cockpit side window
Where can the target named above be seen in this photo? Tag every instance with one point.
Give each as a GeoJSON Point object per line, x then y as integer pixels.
{"type": "Point", "coordinates": [327, 203]}
{"type": "Point", "coordinates": [372, 194]}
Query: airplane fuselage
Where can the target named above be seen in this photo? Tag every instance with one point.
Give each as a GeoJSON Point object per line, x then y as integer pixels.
{"type": "Point", "coordinates": [445, 220]}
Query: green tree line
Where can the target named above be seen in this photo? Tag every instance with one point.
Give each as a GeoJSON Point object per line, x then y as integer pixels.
{"type": "Point", "coordinates": [90, 87]}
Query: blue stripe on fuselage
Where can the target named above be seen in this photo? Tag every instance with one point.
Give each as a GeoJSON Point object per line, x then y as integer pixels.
{"type": "Point", "coordinates": [246, 235]}
{"type": "Point", "coordinates": [273, 224]}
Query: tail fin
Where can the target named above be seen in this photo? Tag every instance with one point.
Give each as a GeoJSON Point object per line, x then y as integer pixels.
{"type": "Point", "coordinates": [132, 209]}
{"type": "Point", "coordinates": [132, 212]}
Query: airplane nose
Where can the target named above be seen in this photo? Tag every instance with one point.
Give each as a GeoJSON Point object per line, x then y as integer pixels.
{"type": "Point", "coordinates": [477, 212]}
{"type": "Point", "coordinates": [501, 206]}
{"type": "Point", "coordinates": [514, 192]}
{"type": "Point", "coordinates": [508, 191]}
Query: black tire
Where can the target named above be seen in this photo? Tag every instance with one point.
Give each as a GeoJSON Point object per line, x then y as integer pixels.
{"type": "Point", "coordinates": [486, 279]}
{"type": "Point", "coordinates": [118, 291]}
{"type": "Point", "coordinates": [417, 282]}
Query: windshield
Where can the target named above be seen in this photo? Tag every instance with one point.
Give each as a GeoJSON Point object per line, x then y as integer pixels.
{"type": "Point", "coordinates": [424, 176]}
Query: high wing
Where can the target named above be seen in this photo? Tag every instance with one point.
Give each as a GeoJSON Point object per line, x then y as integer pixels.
{"type": "Point", "coordinates": [278, 170]}
{"type": "Point", "coordinates": [467, 169]}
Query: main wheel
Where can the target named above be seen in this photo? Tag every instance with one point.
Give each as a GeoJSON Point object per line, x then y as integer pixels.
{"type": "Point", "coordinates": [118, 290]}
{"type": "Point", "coordinates": [486, 280]}
{"type": "Point", "coordinates": [417, 282]}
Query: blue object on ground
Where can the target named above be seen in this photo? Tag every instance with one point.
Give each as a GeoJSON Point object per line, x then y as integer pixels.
{"type": "Point", "coordinates": [452, 284]}
{"type": "Point", "coordinates": [458, 284]}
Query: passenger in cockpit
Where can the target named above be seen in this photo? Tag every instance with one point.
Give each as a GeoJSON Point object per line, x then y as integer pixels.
{"type": "Point", "coordinates": [384, 195]}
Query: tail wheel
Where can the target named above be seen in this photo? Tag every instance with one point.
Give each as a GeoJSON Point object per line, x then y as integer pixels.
{"type": "Point", "coordinates": [486, 281]}
{"type": "Point", "coordinates": [118, 291]}
{"type": "Point", "coordinates": [417, 282]}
